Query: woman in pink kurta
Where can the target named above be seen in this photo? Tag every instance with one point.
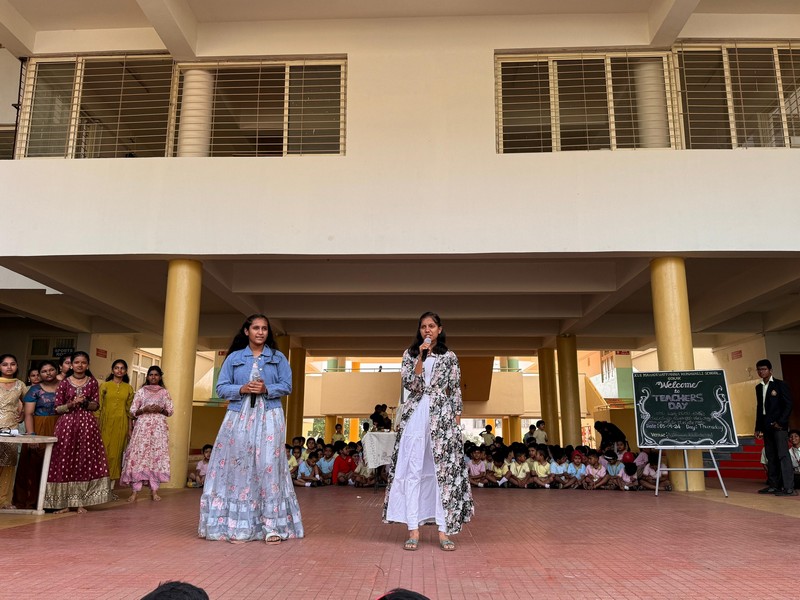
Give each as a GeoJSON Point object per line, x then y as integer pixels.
{"type": "Point", "coordinates": [78, 475]}
{"type": "Point", "coordinates": [147, 456]}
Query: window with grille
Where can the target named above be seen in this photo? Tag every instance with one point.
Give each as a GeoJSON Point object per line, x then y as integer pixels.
{"type": "Point", "coordinates": [739, 96]}
{"type": "Point", "coordinates": [591, 102]}
{"type": "Point", "coordinates": [6, 142]}
{"type": "Point", "coordinates": [261, 109]}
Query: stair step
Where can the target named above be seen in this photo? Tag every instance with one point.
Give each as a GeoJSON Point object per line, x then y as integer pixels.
{"type": "Point", "coordinates": [740, 464]}
{"type": "Point", "coordinates": [739, 474]}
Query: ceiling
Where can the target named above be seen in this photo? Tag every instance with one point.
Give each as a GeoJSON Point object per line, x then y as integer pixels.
{"type": "Point", "coordinates": [368, 306]}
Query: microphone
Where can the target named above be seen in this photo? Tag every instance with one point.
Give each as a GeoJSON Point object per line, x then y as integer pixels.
{"type": "Point", "coordinates": [425, 351]}
{"type": "Point", "coordinates": [253, 400]}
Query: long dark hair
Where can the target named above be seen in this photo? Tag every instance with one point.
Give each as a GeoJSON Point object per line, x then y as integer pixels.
{"type": "Point", "coordinates": [240, 340]}
{"type": "Point", "coordinates": [11, 356]}
{"type": "Point", "coordinates": [158, 370]}
{"type": "Point", "coordinates": [439, 348]}
{"type": "Point", "coordinates": [125, 377]}
{"type": "Point", "coordinates": [86, 356]}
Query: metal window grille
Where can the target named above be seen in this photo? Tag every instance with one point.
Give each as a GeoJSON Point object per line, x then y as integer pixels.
{"type": "Point", "coordinates": [260, 109]}
{"type": "Point", "coordinates": [789, 87]}
{"type": "Point", "coordinates": [6, 143]}
{"type": "Point", "coordinates": [47, 114]}
{"type": "Point", "coordinates": [583, 102]}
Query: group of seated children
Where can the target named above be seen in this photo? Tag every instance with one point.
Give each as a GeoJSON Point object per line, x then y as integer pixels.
{"type": "Point", "coordinates": [552, 467]}
{"type": "Point", "coordinates": [321, 464]}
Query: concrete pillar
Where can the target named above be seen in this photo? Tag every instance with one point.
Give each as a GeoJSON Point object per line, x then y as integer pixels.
{"type": "Point", "coordinates": [674, 346]}
{"type": "Point", "coordinates": [355, 424]}
{"type": "Point", "coordinates": [651, 104]}
{"type": "Point", "coordinates": [503, 361]}
{"type": "Point", "coordinates": [514, 429]}
{"type": "Point", "coordinates": [197, 106]}
{"type": "Point", "coordinates": [568, 390]}
{"type": "Point", "coordinates": [330, 428]}
{"type": "Point", "coordinates": [512, 364]}
{"type": "Point", "coordinates": [294, 418]}
{"type": "Point", "coordinates": [549, 394]}
{"type": "Point", "coordinates": [179, 354]}
{"type": "Point", "coordinates": [506, 427]}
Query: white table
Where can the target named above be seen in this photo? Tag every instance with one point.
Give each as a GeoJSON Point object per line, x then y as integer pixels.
{"type": "Point", "coordinates": [48, 441]}
{"type": "Point", "coordinates": [378, 448]}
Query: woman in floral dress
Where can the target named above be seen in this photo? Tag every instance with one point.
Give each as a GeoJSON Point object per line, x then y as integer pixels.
{"type": "Point", "coordinates": [116, 395]}
{"type": "Point", "coordinates": [428, 480]}
{"type": "Point", "coordinates": [78, 475]}
{"type": "Point", "coordinates": [248, 492]}
{"type": "Point", "coordinates": [147, 456]}
{"type": "Point", "coordinates": [40, 419]}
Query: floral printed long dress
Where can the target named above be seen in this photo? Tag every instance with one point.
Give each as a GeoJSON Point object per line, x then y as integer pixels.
{"type": "Point", "coordinates": [248, 492]}
{"type": "Point", "coordinates": [78, 473]}
{"type": "Point", "coordinates": [147, 456]}
{"type": "Point", "coordinates": [428, 480]}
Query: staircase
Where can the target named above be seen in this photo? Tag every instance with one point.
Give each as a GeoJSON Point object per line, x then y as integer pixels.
{"type": "Point", "coordinates": [743, 462]}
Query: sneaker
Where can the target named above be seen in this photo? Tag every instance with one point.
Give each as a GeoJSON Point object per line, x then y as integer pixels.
{"type": "Point", "coordinates": [504, 484]}
{"type": "Point", "coordinates": [768, 490]}
{"type": "Point", "coordinates": [786, 493]}
{"type": "Point", "coordinates": [532, 486]}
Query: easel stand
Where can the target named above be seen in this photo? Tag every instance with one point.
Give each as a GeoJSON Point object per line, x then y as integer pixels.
{"type": "Point", "coordinates": [686, 468]}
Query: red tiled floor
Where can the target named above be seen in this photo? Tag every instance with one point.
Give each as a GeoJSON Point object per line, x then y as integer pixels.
{"type": "Point", "coordinates": [521, 544]}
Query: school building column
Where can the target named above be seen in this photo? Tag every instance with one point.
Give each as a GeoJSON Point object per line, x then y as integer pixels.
{"type": "Point", "coordinates": [514, 429]}
{"type": "Point", "coordinates": [674, 346]}
{"type": "Point", "coordinates": [330, 427]}
{"type": "Point", "coordinates": [179, 353]}
{"type": "Point", "coordinates": [197, 106]}
{"type": "Point", "coordinates": [568, 390]}
{"type": "Point", "coordinates": [548, 393]}
{"type": "Point", "coordinates": [294, 417]}
{"type": "Point", "coordinates": [506, 426]}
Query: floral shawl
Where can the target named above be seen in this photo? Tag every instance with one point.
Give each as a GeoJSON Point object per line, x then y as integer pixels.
{"type": "Point", "coordinates": [448, 455]}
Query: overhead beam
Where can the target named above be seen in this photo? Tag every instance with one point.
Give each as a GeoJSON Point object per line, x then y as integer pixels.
{"type": "Point", "coordinates": [407, 328]}
{"type": "Point", "coordinates": [783, 317]}
{"type": "Point", "coordinates": [47, 308]}
{"type": "Point", "coordinates": [667, 18]}
{"type": "Point", "coordinates": [175, 24]}
{"type": "Point", "coordinates": [16, 34]}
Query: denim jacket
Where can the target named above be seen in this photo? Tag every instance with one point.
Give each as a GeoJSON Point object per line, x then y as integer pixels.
{"type": "Point", "coordinates": [235, 373]}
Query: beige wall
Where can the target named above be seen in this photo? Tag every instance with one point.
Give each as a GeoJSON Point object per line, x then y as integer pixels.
{"type": "Point", "coordinates": [9, 87]}
{"type": "Point", "coordinates": [505, 397]}
{"type": "Point", "coordinates": [356, 394]}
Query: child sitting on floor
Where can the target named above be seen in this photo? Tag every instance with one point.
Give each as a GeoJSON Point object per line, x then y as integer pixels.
{"type": "Point", "coordinates": [628, 478]}
{"type": "Point", "coordinates": [596, 476]}
{"type": "Point", "coordinates": [325, 464]}
{"type": "Point", "coordinates": [363, 476]}
{"type": "Point", "coordinates": [559, 467]}
{"type": "Point", "coordinates": [613, 469]}
{"type": "Point", "coordinates": [519, 472]}
{"type": "Point", "coordinates": [293, 464]}
{"type": "Point", "coordinates": [198, 478]}
{"type": "Point", "coordinates": [540, 474]}
{"type": "Point", "coordinates": [476, 468]}
{"type": "Point", "coordinates": [299, 441]}
{"type": "Point", "coordinates": [575, 471]}
{"type": "Point", "coordinates": [496, 474]}
{"type": "Point", "coordinates": [308, 472]}
{"type": "Point", "coordinates": [649, 473]}
{"type": "Point", "coordinates": [344, 466]}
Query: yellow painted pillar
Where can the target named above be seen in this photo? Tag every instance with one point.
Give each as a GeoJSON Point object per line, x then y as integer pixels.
{"type": "Point", "coordinates": [568, 390]}
{"type": "Point", "coordinates": [355, 424]}
{"type": "Point", "coordinates": [506, 426]}
{"type": "Point", "coordinates": [503, 364]}
{"type": "Point", "coordinates": [179, 354]}
{"type": "Point", "coordinates": [294, 418]}
{"type": "Point", "coordinates": [674, 346]}
{"type": "Point", "coordinates": [340, 421]}
{"type": "Point", "coordinates": [548, 392]}
{"type": "Point", "coordinates": [515, 428]}
{"type": "Point", "coordinates": [282, 341]}
{"type": "Point", "coordinates": [330, 428]}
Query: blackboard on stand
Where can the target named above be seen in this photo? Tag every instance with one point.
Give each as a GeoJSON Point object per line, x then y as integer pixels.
{"type": "Point", "coordinates": [684, 410]}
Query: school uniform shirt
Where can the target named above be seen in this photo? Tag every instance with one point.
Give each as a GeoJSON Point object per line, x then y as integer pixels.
{"type": "Point", "coordinates": [558, 469]}
{"type": "Point", "coordinates": [649, 471]}
{"type": "Point", "coordinates": [325, 465]}
{"type": "Point", "coordinates": [520, 470]}
{"type": "Point", "coordinates": [576, 472]}
{"type": "Point", "coordinates": [304, 470]}
{"type": "Point", "coordinates": [540, 436]}
{"type": "Point", "coordinates": [595, 473]}
{"type": "Point", "coordinates": [342, 465]}
{"type": "Point", "coordinates": [541, 469]}
{"type": "Point", "coordinates": [337, 437]}
{"type": "Point", "coordinates": [794, 454]}
{"type": "Point", "coordinates": [641, 460]}
{"type": "Point", "coordinates": [627, 479]}
{"type": "Point", "coordinates": [500, 471]}
{"type": "Point", "coordinates": [615, 469]}
{"type": "Point", "coordinates": [476, 469]}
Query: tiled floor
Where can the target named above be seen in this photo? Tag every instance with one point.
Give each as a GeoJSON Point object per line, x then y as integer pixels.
{"type": "Point", "coordinates": [521, 544]}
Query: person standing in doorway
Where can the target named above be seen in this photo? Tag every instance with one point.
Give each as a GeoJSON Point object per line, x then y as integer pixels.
{"type": "Point", "coordinates": [428, 481]}
{"type": "Point", "coordinates": [773, 408]}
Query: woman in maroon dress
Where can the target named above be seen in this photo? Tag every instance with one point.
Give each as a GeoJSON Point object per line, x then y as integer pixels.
{"type": "Point", "coordinates": [78, 475]}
